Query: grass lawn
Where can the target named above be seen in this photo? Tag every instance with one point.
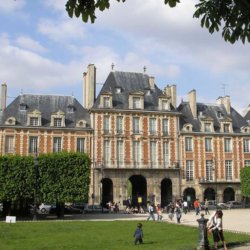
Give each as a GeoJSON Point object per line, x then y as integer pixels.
{"type": "Point", "coordinates": [103, 235]}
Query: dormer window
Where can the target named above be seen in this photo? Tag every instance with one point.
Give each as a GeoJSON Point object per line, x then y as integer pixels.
{"type": "Point", "coordinates": [219, 114]}
{"type": "Point", "coordinates": [118, 90]}
{"type": "Point", "coordinates": [106, 100]}
{"type": "Point", "coordinates": [245, 129]}
{"type": "Point", "coordinates": [10, 121]}
{"type": "Point", "coordinates": [57, 122]}
{"type": "Point", "coordinates": [34, 118]}
{"type": "Point", "coordinates": [136, 102]}
{"type": "Point", "coordinates": [34, 121]}
{"type": "Point", "coordinates": [226, 128]}
{"type": "Point", "coordinates": [58, 119]}
{"type": "Point", "coordinates": [163, 103]}
{"type": "Point", "coordinates": [70, 109]}
{"type": "Point", "coordinates": [188, 127]}
{"type": "Point", "coordinates": [81, 124]}
{"type": "Point", "coordinates": [207, 127]}
{"type": "Point", "coordinates": [23, 107]}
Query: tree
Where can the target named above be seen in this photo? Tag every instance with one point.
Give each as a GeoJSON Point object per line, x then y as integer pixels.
{"type": "Point", "coordinates": [233, 16]}
{"type": "Point", "coordinates": [245, 181]}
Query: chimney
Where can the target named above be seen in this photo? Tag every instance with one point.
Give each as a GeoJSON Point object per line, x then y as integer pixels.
{"type": "Point", "coordinates": [151, 82]}
{"type": "Point", "coordinates": [3, 96]}
{"type": "Point", "coordinates": [89, 81]}
{"type": "Point", "coordinates": [226, 102]}
{"type": "Point", "coordinates": [173, 95]}
{"type": "Point", "coordinates": [192, 102]}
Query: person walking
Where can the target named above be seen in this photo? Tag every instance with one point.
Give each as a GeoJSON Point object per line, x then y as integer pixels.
{"type": "Point", "coordinates": [185, 207]}
{"type": "Point", "coordinates": [197, 206]}
{"type": "Point", "coordinates": [178, 212]}
{"type": "Point", "coordinates": [159, 212]}
{"type": "Point", "coordinates": [151, 212]}
{"type": "Point", "coordinates": [138, 234]}
{"type": "Point", "coordinates": [206, 207]}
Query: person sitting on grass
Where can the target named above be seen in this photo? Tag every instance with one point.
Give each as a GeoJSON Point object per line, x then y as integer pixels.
{"type": "Point", "coordinates": [138, 234]}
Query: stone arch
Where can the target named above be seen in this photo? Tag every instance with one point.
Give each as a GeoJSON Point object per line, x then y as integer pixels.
{"type": "Point", "coordinates": [166, 192]}
{"type": "Point", "coordinates": [209, 194]}
{"type": "Point", "coordinates": [228, 194]}
{"type": "Point", "coordinates": [189, 195]}
{"type": "Point", "coordinates": [107, 191]}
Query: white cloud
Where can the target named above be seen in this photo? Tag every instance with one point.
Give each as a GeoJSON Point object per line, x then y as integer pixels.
{"type": "Point", "coordinates": [30, 44]}
{"type": "Point", "coordinates": [8, 6]}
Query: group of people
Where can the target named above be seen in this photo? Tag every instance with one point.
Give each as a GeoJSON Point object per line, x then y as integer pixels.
{"type": "Point", "coordinates": [152, 209]}
{"type": "Point", "coordinates": [113, 207]}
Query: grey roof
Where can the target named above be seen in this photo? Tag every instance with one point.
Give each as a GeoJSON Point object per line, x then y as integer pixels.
{"type": "Point", "coordinates": [46, 104]}
{"type": "Point", "coordinates": [130, 82]}
{"type": "Point", "coordinates": [210, 111]}
{"type": "Point", "coordinates": [247, 115]}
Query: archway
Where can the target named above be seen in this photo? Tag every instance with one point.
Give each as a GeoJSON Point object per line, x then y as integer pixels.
{"type": "Point", "coordinates": [139, 190]}
{"type": "Point", "coordinates": [209, 194]}
{"type": "Point", "coordinates": [107, 191]}
{"type": "Point", "coordinates": [190, 196]}
{"type": "Point", "coordinates": [228, 194]}
{"type": "Point", "coordinates": [166, 192]}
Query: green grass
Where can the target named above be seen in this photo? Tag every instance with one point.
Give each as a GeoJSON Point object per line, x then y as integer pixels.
{"type": "Point", "coordinates": [103, 235]}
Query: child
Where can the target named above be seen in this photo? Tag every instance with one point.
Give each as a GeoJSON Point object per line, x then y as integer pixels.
{"type": "Point", "coordinates": [138, 234]}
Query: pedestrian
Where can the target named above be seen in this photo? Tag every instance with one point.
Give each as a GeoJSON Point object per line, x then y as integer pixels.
{"type": "Point", "coordinates": [151, 212]}
{"type": "Point", "coordinates": [206, 207]}
{"type": "Point", "coordinates": [171, 211]}
{"type": "Point", "coordinates": [159, 212]}
{"type": "Point", "coordinates": [178, 212]}
{"type": "Point", "coordinates": [138, 234]}
{"type": "Point", "coordinates": [197, 206]}
{"type": "Point", "coordinates": [217, 230]}
{"type": "Point", "coordinates": [185, 207]}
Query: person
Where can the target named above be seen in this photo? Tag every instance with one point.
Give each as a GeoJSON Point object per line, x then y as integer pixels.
{"type": "Point", "coordinates": [159, 212]}
{"type": "Point", "coordinates": [206, 207]}
{"type": "Point", "coordinates": [151, 212]}
{"type": "Point", "coordinates": [197, 206]}
{"type": "Point", "coordinates": [138, 234]}
{"type": "Point", "coordinates": [185, 207]}
{"type": "Point", "coordinates": [217, 230]}
{"type": "Point", "coordinates": [171, 211]}
{"type": "Point", "coordinates": [178, 211]}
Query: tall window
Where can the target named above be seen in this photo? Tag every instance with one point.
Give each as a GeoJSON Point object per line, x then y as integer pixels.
{"type": "Point", "coordinates": [246, 145]}
{"type": "Point", "coordinates": [57, 144]}
{"type": "Point", "coordinates": [34, 121]}
{"type": "Point", "coordinates": [119, 124]}
{"type": "Point", "coordinates": [152, 126]}
{"type": "Point", "coordinates": [228, 170]}
{"type": "Point", "coordinates": [136, 102]}
{"type": "Point", "coordinates": [9, 144]}
{"type": "Point", "coordinates": [226, 128]}
{"type": "Point", "coordinates": [120, 152]}
{"type": "Point", "coordinates": [153, 153]}
{"type": "Point", "coordinates": [136, 152]}
{"type": "Point", "coordinates": [247, 163]}
{"type": "Point", "coordinates": [58, 122]}
{"type": "Point", "coordinates": [188, 144]}
{"type": "Point", "coordinates": [208, 144]}
{"type": "Point", "coordinates": [227, 145]}
{"type": "Point", "coordinates": [106, 124]}
{"type": "Point", "coordinates": [165, 126]}
{"type": "Point", "coordinates": [106, 152]}
{"type": "Point", "coordinates": [189, 170]}
{"type": "Point", "coordinates": [33, 143]}
{"type": "Point", "coordinates": [106, 102]}
{"type": "Point", "coordinates": [209, 170]}
{"type": "Point", "coordinates": [166, 153]}
{"type": "Point", "coordinates": [136, 125]}
{"type": "Point", "coordinates": [207, 127]}
{"type": "Point", "coordinates": [80, 145]}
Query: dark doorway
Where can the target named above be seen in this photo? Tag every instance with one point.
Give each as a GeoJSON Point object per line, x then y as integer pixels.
{"type": "Point", "coordinates": [190, 196]}
{"type": "Point", "coordinates": [166, 192]}
{"type": "Point", "coordinates": [209, 194]}
{"type": "Point", "coordinates": [228, 195]}
{"type": "Point", "coordinates": [107, 191]}
{"type": "Point", "coordinates": [139, 190]}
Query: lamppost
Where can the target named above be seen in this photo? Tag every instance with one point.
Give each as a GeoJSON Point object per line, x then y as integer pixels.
{"type": "Point", "coordinates": [35, 187]}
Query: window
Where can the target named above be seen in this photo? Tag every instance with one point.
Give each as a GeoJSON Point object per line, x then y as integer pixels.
{"type": "Point", "coordinates": [9, 144]}
{"type": "Point", "coordinates": [246, 145]}
{"type": "Point", "coordinates": [106, 102]}
{"type": "Point", "coordinates": [188, 144]}
{"type": "Point", "coordinates": [106, 152]}
{"type": "Point", "coordinates": [119, 124]}
{"type": "Point", "coordinates": [208, 144]}
{"type": "Point", "coordinates": [136, 102]}
{"type": "Point", "coordinates": [80, 145]}
{"type": "Point", "coordinates": [165, 126]}
{"type": "Point", "coordinates": [228, 170]}
{"type": "Point", "coordinates": [226, 128]}
{"type": "Point", "coordinates": [207, 127]}
{"type": "Point", "coordinates": [153, 153]}
{"type": "Point", "coordinates": [57, 122]}
{"type": "Point", "coordinates": [164, 105]}
{"type": "Point", "coordinates": [33, 144]}
{"type": "Point", "coordinates": [165, 153]}
{"type": "Point", "coordinates": [189, 170]}
{"type": "Point", "coordinates": [120, 152]}
{"type": "Point", "coordinates": [136, 125]}
{"type": "Point", "coordinates": [247, 163]}
{"type": "Point", "coordinates": [106, 124]}
{"type": "Point", "coordinates": [136, 152]}
{"type": "Point", "coordinates": [57, 144]}
{"type": "Point", "coordinates": [34, 121]}
{"type": "Point", "coordinates": [152, 126]}
{"type": "Point", "coordinates": [227, 145]}
{"type": "Point", "coordinates": [209, 170]}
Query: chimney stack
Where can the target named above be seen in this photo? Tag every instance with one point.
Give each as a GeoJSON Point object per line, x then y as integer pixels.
{"type": "Point", "coordinates": [151, 82]}
{"type": "Point", "coordinates": [89, 81]}
{"type": "Point", "coordinates": [3, 96]}
{"type": "Point", "coordinates": [226, 102]}
{"type": "Point", "coordinates": [170, 91]}
{"type": "Point", "coordinates": [192, 102]}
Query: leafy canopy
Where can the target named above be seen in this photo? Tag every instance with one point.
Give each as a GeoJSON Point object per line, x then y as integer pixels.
{"type": "Point", "coordinates": [231, 17]}
{"type": "Point", "coordinates": [245, 181]}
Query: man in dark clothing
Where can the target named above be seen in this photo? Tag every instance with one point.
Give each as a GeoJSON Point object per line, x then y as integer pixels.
{"type": "Point", "coordinates": [138, 234]}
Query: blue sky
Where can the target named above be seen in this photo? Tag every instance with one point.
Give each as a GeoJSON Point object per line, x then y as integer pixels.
{"type": "Point", "coordinates": [43, 51]}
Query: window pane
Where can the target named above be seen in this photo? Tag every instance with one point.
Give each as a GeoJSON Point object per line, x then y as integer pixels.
{"type": "Point", "coordinates": [120, 152]}
{"type": "Point", "coordinates": [57, 144]}
{"type": "Point", "coordinates": [166, 154]}
{"type": "Point", "coordinates": [136, 152]}
{"type": "Point", "coordinates": [189, 171]}
{"type": "Point", "coordinates": [106, 152]}
{"type": "Point", "coordinates": [229, 171]}
{"type": "Point", "coordinates": [33, 121]}
{"type": "Point", "coordinates": [80, 145]}
{"type": "Point", "coordinates": [119, 124]}
{"type": "Point", "coordinates": [58, 122]}
{"type": "Point", "coordinates": [209, 170]}
{"type": "Point", "coordinates": [246, 145]}
{"type": "Point", "coordinates": [152, 126]}
{"type": "Point", "coordinates": [208, 144]}
{"type": "Point", "coordinates": [165, 126]}
{"type": "Point", "coordinates": [136, 129]}
{"type": "Point", "coordinates": [106, 124]}
{"type": "Point", "coordinates": [188, 144]}
{"type": "Point", "coordinates": [9, 144]}
{"type": "Point", "coordinates": [33, 144]}
{"type": "Point", "coordinates": [153, 153]}
{"type": "Point", "coordinates": [227, 145]}
{"type": "Point", "coordinates": [136, 102]}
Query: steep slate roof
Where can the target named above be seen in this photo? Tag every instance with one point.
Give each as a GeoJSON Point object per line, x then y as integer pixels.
{"type": "Point", "coordinates": [247, 116]}
{"type": "Point", "coordinates": [130, 83]}
{"type": "Point", "coordinates": [210, 111]}
{"type": "Point", "coordinates": [46, 104]}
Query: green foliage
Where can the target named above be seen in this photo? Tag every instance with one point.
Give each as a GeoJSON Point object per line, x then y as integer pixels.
{"type": "Point", "coordinates": [16, 178]}
{"type": "Point", "coordinates": [245, 181]}
{"type": "Point", "coordinates": [233, 16]}
{"type": "Point", "coordinates": [63, 177]}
